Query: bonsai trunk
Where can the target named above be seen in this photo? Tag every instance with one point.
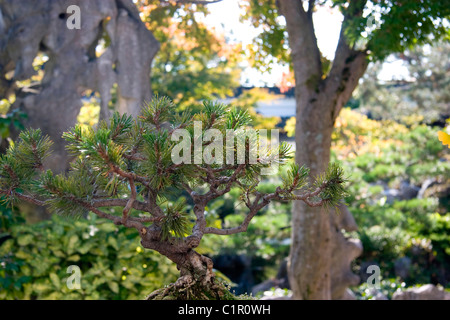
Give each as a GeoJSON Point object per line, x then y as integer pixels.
{"type": "Point", "coordinates": [197, 280]}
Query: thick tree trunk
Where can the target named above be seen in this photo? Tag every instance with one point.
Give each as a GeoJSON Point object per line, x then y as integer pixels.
{"type": "Point", "coordinates": [310, 256]}
{"type": "Point", "coordinates": [319, 100]}
{"type": "Point", "coordinates": [197, 280]}
{"type": "Point", "coordinates": [73, 67]}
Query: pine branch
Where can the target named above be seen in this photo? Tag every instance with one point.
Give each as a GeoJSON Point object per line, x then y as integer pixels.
{"type": "Point", "coordinates": [326, 184]}
{"type": "Point", "coordinates": [124, 160]}
{"type": "Point", "coordinates": [130, 201]}
{"type": "Point", "coordinates": [23, 197]}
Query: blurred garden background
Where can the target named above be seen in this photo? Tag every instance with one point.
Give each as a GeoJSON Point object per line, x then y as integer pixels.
{"type": "Point", "coordinates": [386, 137]}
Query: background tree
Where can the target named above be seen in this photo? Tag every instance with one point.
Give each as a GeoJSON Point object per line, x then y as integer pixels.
{"type": "Point", "coordinates": [422, 93]}
{"type": "Point", "coordinates": [128, 164]}
{"type": "Point", "coordinates": [321, 93]}
{"type": "Point", "coordinates": [48, 71]}
{"type": "Point", "coordinates": [195, 61]}
{"type": "Point", "coordinates": [46, 68]}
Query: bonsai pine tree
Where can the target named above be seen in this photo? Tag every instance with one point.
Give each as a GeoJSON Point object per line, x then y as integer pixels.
{"type": "Point", "coordinates": [128, 163]}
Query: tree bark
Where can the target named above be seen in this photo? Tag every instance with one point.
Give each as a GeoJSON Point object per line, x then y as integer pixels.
{"type": "Point", "coordinates": [53, 104]}
{"type": "Point", "coordinates": [197, 279]}
{"type": "Point", "coordinates": [319, 100]}
{"type": "Point", "coordinates": [310, 256]}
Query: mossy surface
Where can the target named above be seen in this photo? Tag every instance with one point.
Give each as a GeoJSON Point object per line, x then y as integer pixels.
{"type": "Point", "coordinates": [196, 291]}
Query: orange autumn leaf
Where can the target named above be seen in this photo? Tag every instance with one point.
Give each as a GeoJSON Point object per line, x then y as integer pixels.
{"type": "Point", "coordinates": [444, 138]}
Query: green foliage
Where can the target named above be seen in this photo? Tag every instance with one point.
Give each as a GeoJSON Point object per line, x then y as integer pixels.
{"type": "Point", "coordinates": [267, 240]}
{"type": "Point", "coordinates": [8, 218]}
{"type": "Point", "coordinates": [387, 287]}
{"type": "Point", "coordinates": [175, 222]}
{"type": "Point", "coordinates": [384, 155]}
{"type": "Point", "coordinates": [425, 99]}
{"type": "Point", "coordinates": [195, 62]}
{"type": "Point", "coordinates": [271, 45]}
{"type": "Point", "coordinates": [64, 192]}
{"type": "Point", "coordinates": [334, 192]}
{"type": "Point", "coordinates": [379, 28]}
{"type": "Point", "coordinates": [14, 118]}
{"type": "Point", "coordinates": [390, 242]}
{"type": "Point", "coordinates": [34, 262]}
{"type": "Point", "coordinates": [133, 158]}
{"type": "Point", "coordinates": [22, 159]}
{"type": "Point", "coordinates": [403, 25]}
{"type": "Point", "coordinates": [159, 111]}
{"type": "Point", "coordinates": [296, 177]}
{"type": "Point", "coordinates": [31, 149]}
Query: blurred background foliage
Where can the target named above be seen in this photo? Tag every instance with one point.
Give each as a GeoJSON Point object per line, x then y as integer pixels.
{"type": "Point", "coordinates": [399, 189]}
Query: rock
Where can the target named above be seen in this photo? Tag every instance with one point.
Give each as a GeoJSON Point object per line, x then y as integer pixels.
{"type": "Point", "coordinates": [426, 292]}
{"type": "Point", "coordinates": [408, 191]}
{"type": "Point", "coordinates": [348, 295]}
{"type": "Point", "coordinates": [282, 275]}
{"type": "Point", "coordinates": [391, 195]}
{"type": "Point", "coordinates": [281, 280]}
{"type": "Point", "coordinates": [264, 286]}
{"type": "Point", "coordinates": [344, 250]}
{"type": "Point", "coordinates": [425, 185]}
{"type": "Point", "coordinates": [402, 266]}
{"type": "Point", "coordinates": [277, 294]}
{"type": "Point", "coordinates": [238, 268]}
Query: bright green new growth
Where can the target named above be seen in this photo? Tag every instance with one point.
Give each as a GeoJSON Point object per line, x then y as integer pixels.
{"type": "Point", "coordinates": [127, 163]}
{"type": "Point", "coordinates": [176, 221]}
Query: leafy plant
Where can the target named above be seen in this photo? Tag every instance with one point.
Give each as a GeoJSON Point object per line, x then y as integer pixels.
{"type": "Point", "coordinates": [387, 287]}
{"type": "Point", "coordinates": [34, 261]}
{"type": "Point", "coordinates": [13, 118]}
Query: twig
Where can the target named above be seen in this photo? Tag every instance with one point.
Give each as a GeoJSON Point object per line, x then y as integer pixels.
{"type": "Point", "coordinates": [130, 201]}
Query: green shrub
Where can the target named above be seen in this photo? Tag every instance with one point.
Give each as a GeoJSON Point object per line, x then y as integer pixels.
{"type": "Point", "coordinates": [381, 240]}
{"type": "Point", "coordinates": [34, 262]}
{"type": "Point", "coordinates": [8, 218]}
{"type": "Point", "coordinates": [387, 287]}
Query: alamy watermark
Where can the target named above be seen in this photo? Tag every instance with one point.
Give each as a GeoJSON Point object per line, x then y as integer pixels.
{"type": "Point", "coordinates": [373, 281]}
{"type": "Point", "coordinates": [373, 23]}
{"type": "Point", "coordinates": [74, 281]}
{"type": "Point", "coordinates": [74, 20]}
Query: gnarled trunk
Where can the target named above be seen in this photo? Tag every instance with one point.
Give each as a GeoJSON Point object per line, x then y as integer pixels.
{"type": "Point", "coordinates": [197, 280]}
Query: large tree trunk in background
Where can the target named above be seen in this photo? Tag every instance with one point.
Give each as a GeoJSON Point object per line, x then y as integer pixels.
{"type": "Point", "coordinates": [310, 257]}
{"type": "Point", "coordinates": [30, 27]}
{"type": "Point", "coordinates": [320, 256]}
